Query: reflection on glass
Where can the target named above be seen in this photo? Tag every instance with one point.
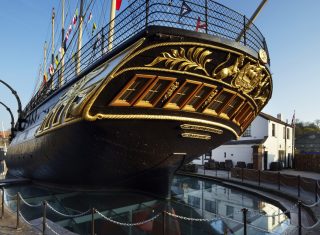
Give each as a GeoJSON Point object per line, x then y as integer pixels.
{"type": "Point", "coordinates": [192, 198]}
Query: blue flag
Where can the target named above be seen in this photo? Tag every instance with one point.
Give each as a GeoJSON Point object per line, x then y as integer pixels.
{"type": "Point", "coordinates": [185, 9]}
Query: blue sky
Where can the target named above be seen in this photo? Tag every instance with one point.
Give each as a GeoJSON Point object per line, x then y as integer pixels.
{"type": "Point", "coordinates": [291, 28]}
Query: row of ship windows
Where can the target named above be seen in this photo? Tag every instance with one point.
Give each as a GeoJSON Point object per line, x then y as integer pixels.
{"type": "Point", "coordinates": [147, 91]}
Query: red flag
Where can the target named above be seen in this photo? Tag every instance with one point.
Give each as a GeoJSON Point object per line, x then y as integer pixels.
{"type": "Point", "coordinates": [200, 25]}
{"type": "Point", "coordinates": [118, 5]}
{"type": "Point", "coordinates": [51, 70]}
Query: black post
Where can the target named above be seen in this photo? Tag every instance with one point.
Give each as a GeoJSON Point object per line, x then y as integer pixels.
{"type": "Point", "coordinates": [299, 185]}
{"type": "Point", "coordinates": [244, 31]}
{"type": "Point", "coordinates": [44, 217]}
{"type": "Point", "coordinates": [18, 210]}
{"type": "Point", "coordinates": [206, 15]}
{"type": "Point", "coordinates": [147, 12]}
{"type": "Point", "coordinates": [164, 222]}
{"type": "Point", "coordinates": [216, 170]}
{"type": "Point", "coordinates": [299, 218]}
{"type": "Point", "coordinates": [244, 211]}
{"type": "Point", "coordinates": [242, 174]}
{"type": "Point", "coordinates": [279, 180]}
{"type": "Point", "coordinates": [2, 203]}
{"type": "Point", "coordinates": [259, 177]}
{"type": "Point", "coordinates": [316, 192]}
{"type": "Point", "coordinates": [92, 221]}
{"type": "Point", "coordinates": [229, 173]}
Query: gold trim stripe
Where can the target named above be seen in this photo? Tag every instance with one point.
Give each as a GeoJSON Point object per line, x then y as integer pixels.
{"type": "Point", "coordinates": [201, 128]}
{"type": "Point", "coordinates": [159, 117]}
{"type": "Point", "coordinates": [196, 136]}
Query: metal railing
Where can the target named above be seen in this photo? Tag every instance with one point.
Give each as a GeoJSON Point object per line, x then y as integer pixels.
{"type": "Point", "coordinates": [140, 14]}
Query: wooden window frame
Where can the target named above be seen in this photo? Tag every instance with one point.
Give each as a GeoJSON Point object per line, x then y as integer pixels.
{"type": "Point", "coordinates": [188, 107]}
{"type": "Point", "coordinates": [238, 117]}
{"type": "Point", "coordinates": [209, 111]}
{"type": "Point", "coordinates": [141, 103]}
{"type": "Point", "coordinates": [117, 102]}
{"type": "Point", "coordinates": [170, 105]}
{"type": "Point", "coordinates": [224, 115]}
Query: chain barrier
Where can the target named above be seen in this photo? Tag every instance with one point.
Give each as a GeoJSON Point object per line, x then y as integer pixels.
{"type": "Point", "coordinates": [311, 227]}
{"type": "Point", "coordinates": [28, 204]}
{"type": "Point", "coordinates": [190, 219]}
{"type": "Point", "coordinates": [9, 195]}
{"type": "Point", "coordinates": [127, 224]}
{"type": "Point", "coordinates": [306, 181]}
{"type": "Point", "coordinates": [25, 220]}
{"type": "Point", "coordinates": [65, 215]}
{"type": "Point", "coordinates": [51, 229]}
{"type": "Point", "coordinates": [312, 205]}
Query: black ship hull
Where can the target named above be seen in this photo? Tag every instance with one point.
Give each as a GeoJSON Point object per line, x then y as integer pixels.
{"type": "Point", "coordinates": [132, 118]}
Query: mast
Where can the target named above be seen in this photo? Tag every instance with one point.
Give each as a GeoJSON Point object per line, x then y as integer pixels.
{"type": "Point", "coordinates": [78, 54]}
{"type": "Point", "coordinates": [52, 46]}
{"type": "Point", "coordinates": [61, 80]}
{"type": "Point", "coordinates": [253, 17]}
{"type": "Point", "coordinates": [111, 28]}
{"type": "Point", "coordinates": [45, 59]}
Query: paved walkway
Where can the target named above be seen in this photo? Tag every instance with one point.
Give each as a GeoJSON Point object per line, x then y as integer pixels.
{"type": "Point", "coordinates": [8, 225]}
{"type": "Point", "coordinates": [287, 196]}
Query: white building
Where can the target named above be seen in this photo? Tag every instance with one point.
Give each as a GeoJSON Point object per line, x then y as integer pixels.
{"type": "Point", "coordinates": [267, 139]}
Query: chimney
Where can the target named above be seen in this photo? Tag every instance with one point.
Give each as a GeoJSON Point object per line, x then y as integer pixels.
{"type": "Point", "coordinates": [279, 116]}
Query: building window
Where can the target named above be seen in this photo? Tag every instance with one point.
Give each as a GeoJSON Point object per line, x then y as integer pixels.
{"type": "Point", "coordinates": [210, 206]}
{"type": "Point", "coordinates": [194, 201]}
{"type": "Point", "coordinates": [284, 132]}
{"type": "Point", "coordinates": [230, 211]}
{"type": "Point", "coordinates": [273, 129]}
{"type": "Point", "coordinates": [247, 132]}
{"type": "Point", "coordinates": [288, 133]}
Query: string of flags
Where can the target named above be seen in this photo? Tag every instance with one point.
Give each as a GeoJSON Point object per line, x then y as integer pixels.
{"type": "Point", "coordinates": [185, 10]}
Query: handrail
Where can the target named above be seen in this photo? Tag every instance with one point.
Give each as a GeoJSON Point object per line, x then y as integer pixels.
{"type": "Point", "coordinates": [140, 14]}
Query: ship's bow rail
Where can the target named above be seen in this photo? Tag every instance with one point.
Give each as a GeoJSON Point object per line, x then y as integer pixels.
{"type": "Point", "coordinates": [203, 16]}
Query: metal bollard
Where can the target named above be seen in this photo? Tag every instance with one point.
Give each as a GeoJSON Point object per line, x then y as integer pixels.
{"type": "Point", "coordinates": [316, 192]}
{"type": "Point", "coordinates": [259, 177]}
{"type": "Point", "coordinates": [299, 185]}
{"type": "Point", "coordinates": [2, 203]}
{"type": "Point", "coordinates": [44, 217]}
{"type": "Point", "coordinates": [244, 211]}
{"type": "Point", "coordinates": [92, 220]}
{"type": "Point", "coordinates": [18, 210]}
{"type": "Point", "coordinates": [279, 180]}
{"type": "Point", "coordinates": [242, 174]}
{"type": "Point", "coordinates": [163, 222]}
{"type": "Point", "coordinates": [299, 218]}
